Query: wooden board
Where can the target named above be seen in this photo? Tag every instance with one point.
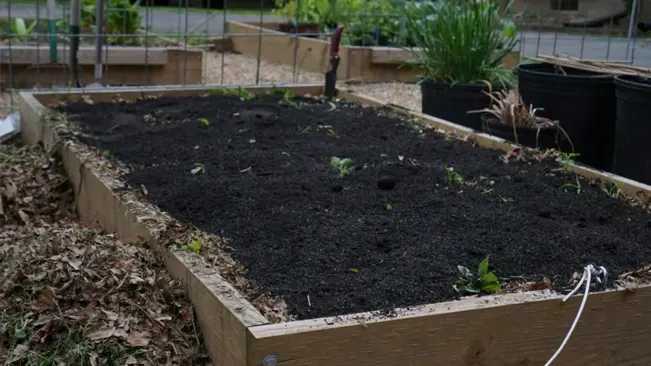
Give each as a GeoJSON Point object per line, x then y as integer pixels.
{"type": "Point", "coordinates": [32, 55]}
{"type": "Point", "coordinates": [503, 330]}
{"type": "Point", "coordinates": [181, 67]}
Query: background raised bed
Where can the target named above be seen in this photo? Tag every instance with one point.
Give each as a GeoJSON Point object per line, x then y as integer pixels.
{"type": "Point", "coordinates": [371, 64]}
{"type": "Point", "coordinates": [121, 66]}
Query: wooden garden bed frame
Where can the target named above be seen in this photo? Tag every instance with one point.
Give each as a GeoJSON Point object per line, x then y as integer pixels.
{"type": "Point", "coordinates": [369, 64]}
{"type": "Point", "coordinates": [122, 66]}
{"type": "Point", "coordinates": [510, 329]}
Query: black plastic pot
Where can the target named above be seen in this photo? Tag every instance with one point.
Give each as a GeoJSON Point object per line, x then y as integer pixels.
{"type": "Point", "coordinates": [452, 102]}
{"type": "Point", "coordinates": [543, 138]}
{"type": "Point", "coordinates": [633, 131]}
{"type": "Point", "coordinates": [582, 101]}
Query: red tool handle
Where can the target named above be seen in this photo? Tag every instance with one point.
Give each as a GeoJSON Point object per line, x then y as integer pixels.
{"type": "Point", "coordinates": [334, 48]}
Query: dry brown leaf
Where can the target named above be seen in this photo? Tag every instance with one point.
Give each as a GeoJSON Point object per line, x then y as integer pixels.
{"type": "Point", "coordinates": [545, 284]}
{"type": "Point", "coordinates": [19, 352]}
{"type": "Point", "coordinates": [138, 339]}
{"type": "Point", "coordinates": [23, 216]}
{"type": "Point", "coordinates": [10, 190]}
{"type": "Point", "coordinates": [92, 357]}
{"type": "Point", "coordinates": [100, 334]}
{"type": "Point", "coordinates": [75, 263]}
{"type": "Point", "coordinates": [46, 300]}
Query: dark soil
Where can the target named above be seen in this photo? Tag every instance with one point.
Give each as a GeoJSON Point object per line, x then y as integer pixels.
{"type": "Point", "coordinates": [301, 231]}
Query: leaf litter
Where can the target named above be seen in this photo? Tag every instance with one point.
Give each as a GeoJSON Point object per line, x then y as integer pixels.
{"type": "Point", "coordinates": [71, 295]}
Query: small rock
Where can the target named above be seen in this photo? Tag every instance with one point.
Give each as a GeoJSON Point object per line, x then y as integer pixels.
{"type": "Point", "coordinates": [386, 182]}
{"type": "Point", "coordinates": [337, 188]}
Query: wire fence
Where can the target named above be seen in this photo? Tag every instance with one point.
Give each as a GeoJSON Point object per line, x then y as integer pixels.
{"type": "Point", "coordinates": [146, 45]}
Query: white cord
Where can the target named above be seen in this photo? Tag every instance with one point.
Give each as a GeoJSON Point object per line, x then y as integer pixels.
{"type": "Point", "coordinates": [588, 271]}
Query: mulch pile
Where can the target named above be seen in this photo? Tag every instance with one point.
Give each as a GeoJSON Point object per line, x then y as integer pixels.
{"type": "Point", "coordinates": [70, 295]}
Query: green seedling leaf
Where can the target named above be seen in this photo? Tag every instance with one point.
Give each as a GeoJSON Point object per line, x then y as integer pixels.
{"type": "Point", "coordinates": [482, 270]}
{"type": "Point", "coordinates": [490, 287]}
{"type": "Point", "coordinates": [389, 207]}
{"type": "Point", "coordinates": [204, 121]}
{"type": "Point", "coordinates": [462, 282]}
{"type": "Point", "coordinates": [465, 272]}
{"type": "Point", "coordinates": [343, 166]}
{"type": "Point", "coordinates": [194, 246]}
{"type": "Point", "coordinates": [354, 270]}
{"type": "Point", "coordinates": [198, 168]}
{"type": "Point", "coordinates": [106, 153]}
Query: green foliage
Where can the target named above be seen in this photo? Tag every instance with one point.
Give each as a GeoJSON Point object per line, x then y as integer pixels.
{"type": "Point", "coordinates": [239, 92]}
{"type": "Point", "coordinates": [452, 176]}
{"type": "Point", "coordinates": [460, 42]}
{"type": "Point", "coordinates": [21, 30]}
{"type": "Point", "coordinates": [288, 97]}
{"type": "Point", "coordinates": [123, 19]}
{"type": "Point", "coordinates": [484, 282]}
{"type": "Point", "coordinates": [567, 160]}
{"type": "Point", "coordinates": [194, 246]}
{"type": "Point", "coordinates": [612, 190]}
{"type": "Point", "coordinates": [321, 12]}
{"type": "Point", "coordinates": [342, 165]}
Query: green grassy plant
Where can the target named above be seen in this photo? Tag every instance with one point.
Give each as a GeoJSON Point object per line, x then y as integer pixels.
{"type": "Point", "coordinates": [461, 43]}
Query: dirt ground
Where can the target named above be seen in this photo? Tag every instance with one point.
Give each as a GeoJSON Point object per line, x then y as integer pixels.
{"type": "Point", "coordinates": [239, 69]}
{"type": "Point", "coordinates": [388, 233]}
{"type": "Point", "coordinates": [71, 295]}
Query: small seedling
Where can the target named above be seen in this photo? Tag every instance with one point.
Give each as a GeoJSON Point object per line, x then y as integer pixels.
{"type": "Point", "coordinates": [241, 93]}
{"type": "Point", "coordinates": [354, 270]}
{"type": "Point", "coordinates": [417, 126]}
{"type": "Point", "coordinates": [388, 207]}
{"type": "Point", "coordinates": [568, 159]}
{"type": "Point", "coordinates": [106, 154]}
{"type": "Point", "coordinates": [576, 185]}
{"type": "Point", "coordinates": [452, 176]}
{"type": "Point", "coordinates": [204, 121]}
{"type": "Point", "coordinates": [288, 97]}
{"type": "Point", "coordinates": [507, 199]}
{"type": "Point", "coordinates": [612, 190]}
{"type": "Point", "coordinates": [343, 166]}
{"type": "Point", "coordinates": [198, 169]}
{"type": "Point", "coordinates": [484, 282]}
{"type": "Point", "coordinates": [194, 246]}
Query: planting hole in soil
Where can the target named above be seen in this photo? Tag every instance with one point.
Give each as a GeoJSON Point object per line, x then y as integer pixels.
{"type": "Point", "coordinates": [340, 209]}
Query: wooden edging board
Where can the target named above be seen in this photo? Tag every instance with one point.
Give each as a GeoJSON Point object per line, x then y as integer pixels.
{"type": "Point", "coordinates": [369, 64]}
{"type": "Point", "coordinates": [30, 66]}
{"type": "Point", "coordinates": [510, 329]}
{"type": "Point", "coordinates": [33, 55]}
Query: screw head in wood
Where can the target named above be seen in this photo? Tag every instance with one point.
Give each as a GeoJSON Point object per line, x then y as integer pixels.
{"type": "Point", "coordinates": [270, 360]}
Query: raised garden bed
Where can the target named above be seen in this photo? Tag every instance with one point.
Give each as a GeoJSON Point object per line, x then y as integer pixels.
{"type": "Point", "coordinates": [122, 66]}
{"type": "Point", "coordinates": [258, 173]}
{"type": "Point", "coordinates": [372, 64]}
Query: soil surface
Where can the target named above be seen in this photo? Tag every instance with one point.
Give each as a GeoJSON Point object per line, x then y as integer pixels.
{"type": "Point", "coordinates": [332, 246]}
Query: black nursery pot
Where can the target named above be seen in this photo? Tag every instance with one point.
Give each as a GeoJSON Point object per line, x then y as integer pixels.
{"type": "Point", "coordinates": [452, 102]}
{"type": "Point", "coordinates": [543, 138]}
{"type": "Point", "coordinates": [300, 28]}
{"type": "Point", "coordinates": [582, 101]}
{"type": "Point", "coordinates": [632, 129]}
